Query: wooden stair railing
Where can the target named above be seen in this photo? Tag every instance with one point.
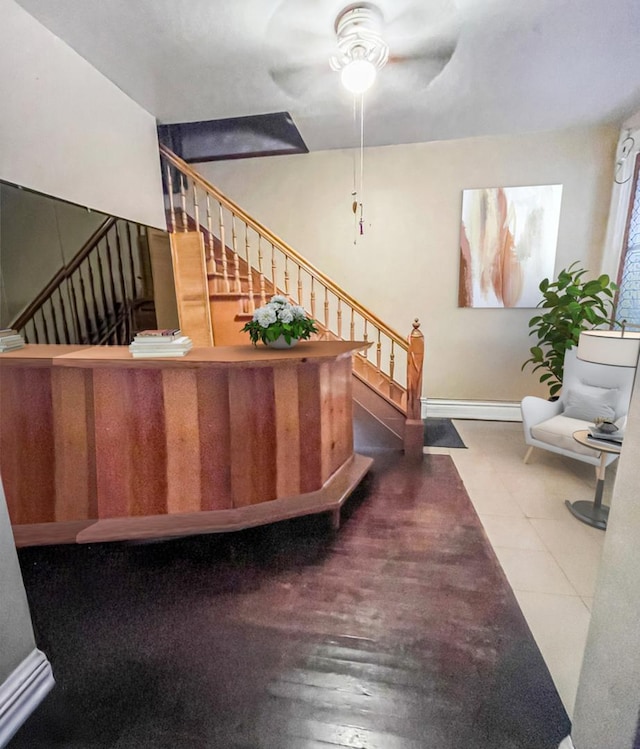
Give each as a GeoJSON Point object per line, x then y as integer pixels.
{"type": "Point", "coordinates": [248, 259]}
{"type": "Point", "coordinates": [95, 298]}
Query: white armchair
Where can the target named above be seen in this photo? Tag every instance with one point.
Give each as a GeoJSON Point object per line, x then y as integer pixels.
{"type": "Point", "coordinates": [588, 390]}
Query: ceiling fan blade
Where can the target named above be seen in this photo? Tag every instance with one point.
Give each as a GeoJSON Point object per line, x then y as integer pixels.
{"type": "Point", "coordinates": [439, 43]}
{"type": "Point", "coordinates": [413, 73]}
{"type": "Point", "coordinates": [298, 80]}
{"type": "Point", "coordinates": [301, 26]}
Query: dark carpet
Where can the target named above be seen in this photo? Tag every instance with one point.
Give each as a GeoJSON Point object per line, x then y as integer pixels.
{"type": "Point", "coordinates": [399, 631]}
{"type": "Point", "coordinates": [441, 433]}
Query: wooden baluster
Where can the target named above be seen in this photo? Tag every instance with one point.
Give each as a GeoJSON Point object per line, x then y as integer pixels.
{"type": "Point", "coordinates": [172, 210]}
{"type": "Point", "coordinates": [183, 205]}
{"type": "Point", "coordinates": [36, 337]}
{"type": "Point", "coordinates": [45, 326]}
{"type": "Point", "coordinates": [96, 311]}
{"type": "Point", "coordinates": [123, 289]}
{"type": "Point", "coordinates": [54, 319]}
{"type": "Point", "coordinates": [326, 307]}
{"type": "Point", "coordinates": [71, 290]}
{"type": "Point", "coordinates": [300, 285]}
{"type": "Point", "coordinates": [286, 276]}
{"type": "Point", "coordinates": [313, 298]}
{"type": "Point", "coordinates": [378, 351]}
{"type": "Point", "coordinates": [223, 248]}
{"type": "Point", "coordinates": [414, 426]}
{"type": "Point", "coordinates": [112, 283]}
{"type": "Point", "coordinates": [352, 326]}
{"type": "Point", "coordinates": [132, 269]}
{"type": "Point", "coordinates": [103, 290]}
{"type": "Point", "coordinates": [263, 291]}
{"type": "Point", "coordinates": [236, 257]}
{"type": "Point", "coordinates": [365, 337]}
{"type": "Point", "coordinates": [273, 269]}
{"type": "Point", "coordinates": [65, 322]}
{"type": "Point", "coordinates": [392, 360]}
{"type": "Point", "coordinates": [339, 317]}
{"type": "Point", "coordinates": [252, 304]}
{"type": "Point", "coordinates": [85, 309]}
{"type": "Point", "coordinates": [196, 207]}
{"type": "Point", "coordinates": [211, 258]}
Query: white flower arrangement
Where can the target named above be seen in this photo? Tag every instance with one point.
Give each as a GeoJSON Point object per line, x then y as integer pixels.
{"type": "Point", "coordinates": [279, 318]}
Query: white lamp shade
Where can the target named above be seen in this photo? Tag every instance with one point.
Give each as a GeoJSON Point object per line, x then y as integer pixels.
{"type": "Point", "coordinates": [358, 76]}
{"type": "Point", "coordinates": [609, 347]}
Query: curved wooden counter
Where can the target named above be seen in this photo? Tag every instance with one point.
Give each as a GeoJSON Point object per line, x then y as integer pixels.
{"type": "Point", "coordinates": [96, 445]}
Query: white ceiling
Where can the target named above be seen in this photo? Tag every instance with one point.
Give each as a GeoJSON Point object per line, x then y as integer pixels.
{"type": "Point", "coordinates": [519, 65]}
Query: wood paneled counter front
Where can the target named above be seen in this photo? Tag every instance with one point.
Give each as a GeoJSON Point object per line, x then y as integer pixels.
{"type": "Point", "coordinates": [96, 445]}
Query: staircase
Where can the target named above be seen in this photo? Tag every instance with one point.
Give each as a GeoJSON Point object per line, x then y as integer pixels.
{"type": "Point", "coordinates": [226, 264]}
{"type": "Point", "coordinates": [101, 296]}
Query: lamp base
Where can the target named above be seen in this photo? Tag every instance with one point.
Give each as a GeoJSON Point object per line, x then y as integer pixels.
{"type": "Point", "coordinates": [589, 513]}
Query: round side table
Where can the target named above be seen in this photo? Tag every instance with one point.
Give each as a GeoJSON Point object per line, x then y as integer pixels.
{"type": "Point", "coordinates": [593, 513]}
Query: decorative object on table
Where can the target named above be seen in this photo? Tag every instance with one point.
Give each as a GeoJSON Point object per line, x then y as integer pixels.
{"type": "Point", "coordinates": [508, 238]}
{"type": "Point", "coordinates": [616, 437]}
{"type": "Point", "coordinates": [605, 426]}
{"type": "Point", "coordinates": [280, 324]}
{"type": "Point", "coordinates": [569, 305]}
{"type": "Point", "coordinates": [10, 340]}
{"type": "Point", "coordinates": [156, 344]}
{"type": "Point", "coordinates": [608, 430]}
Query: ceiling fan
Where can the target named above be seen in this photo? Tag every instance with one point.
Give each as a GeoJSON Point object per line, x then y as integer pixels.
{"type": "Point", "coordinates": [415, 39]}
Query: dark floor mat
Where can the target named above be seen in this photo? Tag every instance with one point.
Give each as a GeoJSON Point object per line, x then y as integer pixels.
{"type": "Point", "coordinates": [441, 433]}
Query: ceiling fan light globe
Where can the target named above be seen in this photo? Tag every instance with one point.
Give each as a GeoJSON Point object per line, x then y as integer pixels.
{"type": "Point", "coordinates": [358, 76]}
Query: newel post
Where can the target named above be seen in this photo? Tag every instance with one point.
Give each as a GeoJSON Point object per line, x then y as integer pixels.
{"type": "Point", "coordinates": [414, 426]}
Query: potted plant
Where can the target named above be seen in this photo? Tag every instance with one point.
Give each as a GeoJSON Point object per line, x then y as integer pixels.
{"type": "Point", "coordinates": [568, 306]}
{"type": "Point", "coordinates": [279, 324]}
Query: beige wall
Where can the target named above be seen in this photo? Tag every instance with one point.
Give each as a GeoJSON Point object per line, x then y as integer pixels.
{"type": "Point", "coordinates": [67, 131]}
{"type": "Point", "coordinates": [406, 265]}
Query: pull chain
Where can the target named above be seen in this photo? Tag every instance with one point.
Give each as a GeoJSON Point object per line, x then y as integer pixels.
{"type": "Point", "coordinates": [357, 205]}
{"type": "Point", "coordinates": [361, 222]}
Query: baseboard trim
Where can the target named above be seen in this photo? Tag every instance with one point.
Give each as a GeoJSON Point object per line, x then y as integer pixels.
{"type": "Point", "coordinates": [464, 409]}
{"type": "Point", "coordinates": [21, 693]}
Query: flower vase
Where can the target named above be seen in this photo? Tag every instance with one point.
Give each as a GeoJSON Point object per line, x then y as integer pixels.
{"type": "Point", "coordinates": [280, 342]}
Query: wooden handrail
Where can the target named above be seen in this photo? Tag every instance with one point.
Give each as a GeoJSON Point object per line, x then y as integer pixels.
{"type": "Point", "coordinates": [260, 229]}
{"type": "Point", "coordinates": [62, 274]}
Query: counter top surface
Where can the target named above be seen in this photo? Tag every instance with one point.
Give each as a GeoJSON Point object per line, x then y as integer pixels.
{"type": "Point", "coordinates": [101, 356]}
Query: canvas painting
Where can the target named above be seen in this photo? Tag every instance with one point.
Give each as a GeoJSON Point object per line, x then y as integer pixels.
{"type": "Point", "coordinates": [508, 239]}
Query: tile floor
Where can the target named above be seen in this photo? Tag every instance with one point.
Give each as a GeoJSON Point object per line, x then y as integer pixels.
{"type": "Point", "coordinates": [550, 558]}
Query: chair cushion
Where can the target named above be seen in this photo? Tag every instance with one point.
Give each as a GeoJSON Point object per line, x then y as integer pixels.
{"type": "Point", "coordinates": [587, 402]}
{"type": "Point", "coordinates": [558, 431]}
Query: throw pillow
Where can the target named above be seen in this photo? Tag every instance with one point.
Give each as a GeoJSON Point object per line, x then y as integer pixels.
{"type": "Point", "coordinates": [586, 402]}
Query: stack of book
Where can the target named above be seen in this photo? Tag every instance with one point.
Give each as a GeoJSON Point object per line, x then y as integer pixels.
{"type": "Point", "coordinates": [614, 438]}
{"type": "Point", "coordinates": [10, 340]}
{"type": "Point", "coordinates": [149, 344]}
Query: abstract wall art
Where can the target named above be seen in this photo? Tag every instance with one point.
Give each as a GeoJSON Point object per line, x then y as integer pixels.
{"type": "Point", "coordinates": [508, 238]}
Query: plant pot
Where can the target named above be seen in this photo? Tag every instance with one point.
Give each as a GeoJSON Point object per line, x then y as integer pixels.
{"type": "Point", "coordinates": [280, 342]}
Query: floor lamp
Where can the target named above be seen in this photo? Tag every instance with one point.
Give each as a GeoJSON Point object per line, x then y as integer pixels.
{"type": "Point", "coordinates": [614, 348]}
